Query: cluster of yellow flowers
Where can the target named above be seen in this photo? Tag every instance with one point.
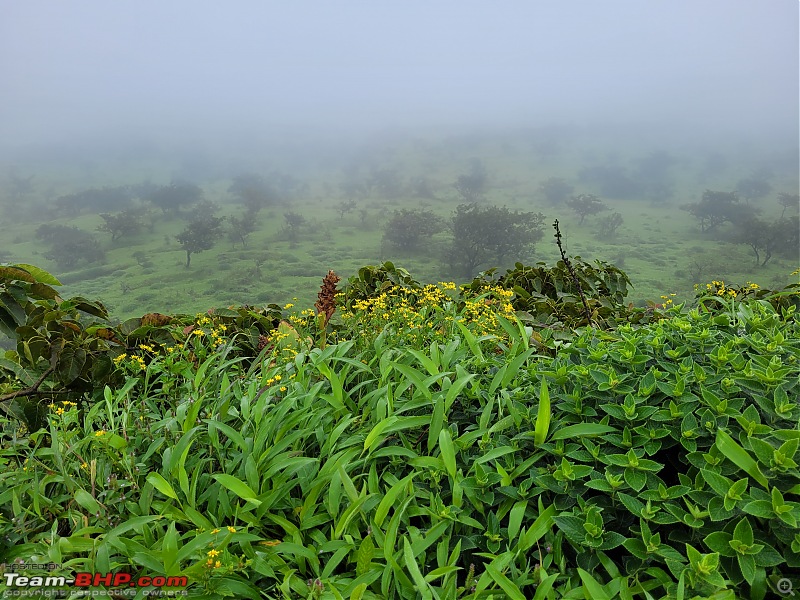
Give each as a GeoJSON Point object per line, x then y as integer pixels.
{"type": "Point", "coordinates": [211, 563]}
{"type": "Point", "coordinates": [216, 530]}
{"type": "Point", "coordinates": [430, 310]}
{"type": "Point", "coordinates": [216, 333]}
{"type": "Point", "coordinates": [719, 288]}
{"type": "Point", "coordinates": [303, 319]}
{"type": "Point", "coordinates": [667, 300]}
{"type": "Point", "coordinates": [136, 361]}
{"type": "Point", "coordinates": [483, 311]}
{"type": "Point", "coordinates": [60, 410]}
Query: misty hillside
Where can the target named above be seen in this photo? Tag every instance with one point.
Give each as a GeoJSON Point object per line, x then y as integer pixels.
{"type": "Point", "coordinates": [664, 139]}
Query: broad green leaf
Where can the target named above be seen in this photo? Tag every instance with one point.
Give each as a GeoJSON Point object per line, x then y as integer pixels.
{"type": "Point", "coordinates": [87, 501]}
{"type": "Point", "coordinates": [594, 589]}
{"type": "Point", "coordinates": [169, 549]}
{"type": "Point", "coordinates": [238, 487]}
{"type": "Point", "coordinates": [40, 275]}
{"type": "Point", "coordinates": [161, 484]}
{"type": "Point", "coordinates": [70, 363]}
{"type": "Point", "coordinates": [515, 517]}
{"type": "Point", "coordinates": [543, 416]}
{"type": "Point", "coordinates": [448, 452]}
{"type": "Point", "coordinates": [366, 551]}
{"type": "Point", "coordinates": [390, 499]}
{"type": "Point", "coordinates": [392, 424]}
{"type": "Point", "coordinates": [422, 586]}
{"type": "Point", "coordinates": [740, 457]}
{"type": "Point", "coordinates": [542, 524]}
{"type": "Point", "coordinates": [581, 429]}
{"type": "Point", "coordinates": [511, 590]}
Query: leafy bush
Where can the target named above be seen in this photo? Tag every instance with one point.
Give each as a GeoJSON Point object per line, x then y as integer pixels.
{"type": "Point", "coordinates": [644, 462]}
{"type": "Point", "coordinates": [69, 246]}
{"type": "Point", "coordinates": [488, 234]}
{"type": "Point", "coordinates": [549, 295]}
{"type": "Point", "coordinates": [407, 228]}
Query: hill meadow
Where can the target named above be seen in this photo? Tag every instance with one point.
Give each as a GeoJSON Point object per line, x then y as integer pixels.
{"type": "Point", "coordinates": [515, 366]}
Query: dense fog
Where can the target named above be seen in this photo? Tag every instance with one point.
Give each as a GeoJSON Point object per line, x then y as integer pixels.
{"type": "Point", "coordinates": [301, 131]}
{"type": "Point", "coordinates": [131, 76]}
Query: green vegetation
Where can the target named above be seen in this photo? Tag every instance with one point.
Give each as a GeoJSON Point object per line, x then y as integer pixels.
{"type": "Point", "coordinates": [341, 205]}
{"type": "Point", "coordinates": [491, 440]}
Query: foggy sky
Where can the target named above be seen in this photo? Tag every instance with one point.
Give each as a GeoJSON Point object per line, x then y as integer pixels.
{"type": "Point", "coordinates": [80, 69]}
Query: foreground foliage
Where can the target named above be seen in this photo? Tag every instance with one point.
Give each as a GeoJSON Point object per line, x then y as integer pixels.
{"type": "Point", "coordinates": [436, 447]}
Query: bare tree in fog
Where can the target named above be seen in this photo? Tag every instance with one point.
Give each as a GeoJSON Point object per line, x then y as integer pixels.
{"type": "Point", "coordinates": [790, 201]}
{"type": "Point", "coordinates": [753, 188]}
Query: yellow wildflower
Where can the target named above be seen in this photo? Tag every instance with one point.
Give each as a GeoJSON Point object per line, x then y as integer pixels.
{"type": "Point", "coordinates": [231, 529]}
{"type": "Point", "coordinates": [100, 433]}
{"type": "Point", "coordinates": [213, 553]}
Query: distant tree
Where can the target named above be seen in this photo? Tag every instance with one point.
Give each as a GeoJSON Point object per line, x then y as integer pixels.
{"type": "Point", "coordinates": [253, 192]}
{"type": "Point", "coordinates": [386, 183]}
{"type": "Point", "coordinates": [612, 181]}
{"type": "Point", "coordinates": [143, 190]}
{"type": "Point", "coordinates": [790, 201]}
{"type": "Point", "coordinates": [69, 246]}
{"type": "Point", "coordinates": [766, 239]}
{"type": "Point", "coordinates": [472, 185]}
{"type": "Point", "coordinates": [204, 208]}
{"type": "Point", "coordinates": [294, 222]}
{"type": "Point", "coordinates": [170, 198]}
{"type": "Point", "coordinates": [421, 187]}
{"type": "Point", "coordinates": [283, 185]}
{"type": "Point", "coordinates": [354, 188]}
{"type": "Point", "coordinates": [407, 228]}
{"type": "Point", "coordinates": [753, 188]}
{"type": "Point", "coordinates": [127, 222]}
{"type": "Point", "coordinates": [586, 204]}
{"type": "Point", "coordinates": [555, 190]}
{"type": "Point", "coordinates": [18, 186]}
{"type": "Point", "coordinates": [718, 208]}
{"type": "Point", "coordinates": [242, 227]}
{"type": "Point", "coordinates": [142, 260]}
{"type": "Point", "coordinates": [346, 206]}
{"type": "Point", "coordinates": [491, 234]}
{"type": "Point", "coordinates": [607, 227]}
{"type": "Point", "coordinates": [653, 175]}
{"type": "Point", "coordinates": [94, 199]}
{"type": "Point", "coordinates": [200, 234]}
